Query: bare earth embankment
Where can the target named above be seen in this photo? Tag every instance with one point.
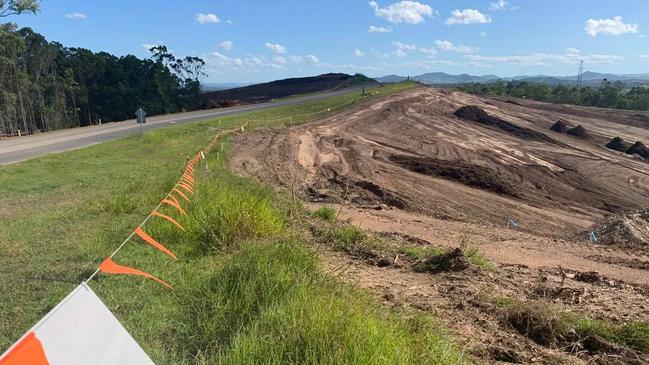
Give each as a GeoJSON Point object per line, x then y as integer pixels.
{"type": "Point", "coordinates": [411, 164]}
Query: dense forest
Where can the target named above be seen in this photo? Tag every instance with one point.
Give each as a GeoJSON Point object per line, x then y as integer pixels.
{"type": "Point", "coordinates": [608, 95]}
{"type": "Point", "coordinates": [46, 86]}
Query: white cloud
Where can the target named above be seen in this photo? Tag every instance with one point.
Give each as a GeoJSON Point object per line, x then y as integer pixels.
{"type": "Point", "coordinates": [547, 59]}
{"type": "Point", "coordinates": [404, 49]}
{"type": "Point", "coordinates": [276, 48]}
{"type": "Point", "coordinates": [225, 45]}
{"type": "Point", "coordinates": [500, 5]}
{"type": "Point", "coordinates": [374, 29]}
{"type": "Point", "coordinates": [483, 34]}
{"type": "Point", "coordinates": [220, 63]}
{"type": "Point", "coordinates": [644, 56]}
{"type": "Point", "coordinates": [405, 46]}
{"type": "Point", "coordinates": [410, 12]}
{"type": "Point", "coordinates": [148, 46]}
{"type": "Point", "coordinates": [428, 51]}
{"type": "Point", "coordinates": [311, 59]}
{"type": "Point", "coordinates": [572, 50]}
{"type": "Point", "coordinates": [76, 16]}
{"type": "Point", "coordinates": [280, 59]}
{"type": "Point", "coordinates": [358, 53]}
{"type": "Point", "coordinates": [448, 46]}
{"type": "Point", "coordinates": [467, 16]}
{"type": "Point", "coordinates": [207, 18]}
{"type": "Point", "coordinates": [229, 21]}
{"type": "Point", "coordinates": [614, 26]}
{"type": "Point", "coordinates": [479, 64]}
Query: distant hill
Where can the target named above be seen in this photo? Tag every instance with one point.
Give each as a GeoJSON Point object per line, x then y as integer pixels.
{"type": "Point", "coordinates": [207, 87]}
{"type": "Point", "coordinates": [589, 79]}
{"type": "Point", "coordinates": [440, 78]}
{"type": "Point", "coordinates": [283, 88]}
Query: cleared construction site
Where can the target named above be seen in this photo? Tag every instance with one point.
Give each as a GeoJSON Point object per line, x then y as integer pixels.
{"type": "Point", "coordinates": [531, 186]}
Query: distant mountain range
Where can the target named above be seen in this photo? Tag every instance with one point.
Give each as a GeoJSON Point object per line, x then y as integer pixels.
{"type": "Point", "coordinates": [206, 87]}
{"type": "Point", "coordinates": [589, 79]}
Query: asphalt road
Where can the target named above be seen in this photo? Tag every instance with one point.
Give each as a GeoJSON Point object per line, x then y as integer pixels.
{"type": "Point", "coordinates": [25, 148]}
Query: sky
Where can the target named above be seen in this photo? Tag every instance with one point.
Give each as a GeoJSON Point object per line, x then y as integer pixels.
{"type": "Point", "coordinates": [244, 41]}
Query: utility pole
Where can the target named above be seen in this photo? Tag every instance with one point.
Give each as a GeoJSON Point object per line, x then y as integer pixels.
{"type": "Point", "coordinates": [580, 79]}
{"type": "Point", "coordinates": [580, 74]}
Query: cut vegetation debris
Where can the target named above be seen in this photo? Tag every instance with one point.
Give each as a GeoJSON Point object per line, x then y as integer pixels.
{"type": "Point", "coordinates": [247, 290]}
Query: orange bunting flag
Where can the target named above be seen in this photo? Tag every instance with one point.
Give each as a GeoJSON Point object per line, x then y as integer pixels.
{"type": "Point", "coordinates": [150, 240]}
{"type": "Point", "coordinates": [184, 180]}
{"type": "Point", "coordinates": [174, 203]}
{"type": "Point", "coordinates": [168, 218]}
{"type": "Point", "coordinates": [182, 195]}
{"type": "Point", "coordinates": [188, 177]}
{"type": "Point", "coordinates": [28, 351]}
{"type": "Point", "coordinates": [110, 267]}
{"type": "Point", "coordinates": [186, 187]}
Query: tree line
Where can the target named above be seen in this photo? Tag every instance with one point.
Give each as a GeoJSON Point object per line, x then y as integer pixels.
{"type": "Point", "coordinates": [607, 95]}
{"type": "Point", "coordinates": [45, 86]}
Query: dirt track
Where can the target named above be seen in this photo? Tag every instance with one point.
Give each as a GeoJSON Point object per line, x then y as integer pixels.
{"type": "Point", "coordinates": [405, 164]}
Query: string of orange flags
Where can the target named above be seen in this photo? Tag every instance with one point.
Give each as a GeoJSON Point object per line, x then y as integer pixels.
{"type": "Point", "coordinates": [187, 183]}
{"type": "Point", "coordinates": [80, 329]}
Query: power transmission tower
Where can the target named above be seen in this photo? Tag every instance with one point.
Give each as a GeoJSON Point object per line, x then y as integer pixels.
{"type": "Point", "coordinates": [580, 74]}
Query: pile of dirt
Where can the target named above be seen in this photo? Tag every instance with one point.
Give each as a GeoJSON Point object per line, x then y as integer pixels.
{"type": "Point", "coordinates": [626, 229]}
{"type": "Point", "coordinates": [472, 175]}
{"type": "Point", "coordinates": [477, 114]}
{"type": "Point", "coordinates": [639, 149]}
{"type": "Point", "coordinates": [450, 261]}
{"type": "Point", "coordinates": [578, 132]}
{"type": "Point", "coordinates": [617, 144]}
{"type": "Point", "coordinates": [560, 127]}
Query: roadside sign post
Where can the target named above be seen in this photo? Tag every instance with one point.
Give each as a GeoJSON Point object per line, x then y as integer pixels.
{"type": "Point", "coordinates": [140, 115]}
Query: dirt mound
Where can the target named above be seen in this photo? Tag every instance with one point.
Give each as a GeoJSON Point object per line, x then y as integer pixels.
{"type": "Point", "coordinates": [476, 114]}
{"type": "Point", "coordinates": [472, 175]}
{"type": "Point", "coordinates": [627, 229]}
{"type": "Point", "coordinates": [451, 261]}
{"type": "Point", "coordinates": [617, 144]}
{"type": "Point", "coordinates": [560, 127]}
{"type": "Point", "coordinates": [578, 132]}
{"type": "Point", "coordinates": [639, 149]}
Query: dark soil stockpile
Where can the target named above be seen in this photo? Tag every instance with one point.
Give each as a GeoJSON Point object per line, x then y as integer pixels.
{"type": "Point", "coordinates": [476, 114]}
{"type": "Point", "coordinates": [639, 149]}
{"type": "Point", "coordinates": [560, 127]}
{"type": "Point", "coordinates": [617, 144]}
{"type": "Point", "coordinates": [578, 132]}
{"type": "Point", "coordinates": [472, 175]}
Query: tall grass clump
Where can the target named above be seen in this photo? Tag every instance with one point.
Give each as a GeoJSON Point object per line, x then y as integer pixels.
{"type": "Point", "coordinates": [226, 213]}
{"type": "Point", "coordinates": [327, 214]}
{"type": "Point", "coordinates": [271, 304]}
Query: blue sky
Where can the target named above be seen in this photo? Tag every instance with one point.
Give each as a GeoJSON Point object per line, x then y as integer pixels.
{"type": "Point", "coordinates": [250, 41]}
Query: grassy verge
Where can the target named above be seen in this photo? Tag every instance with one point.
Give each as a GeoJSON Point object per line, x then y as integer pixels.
{"type": "Point", "coordinates": [246, 289]}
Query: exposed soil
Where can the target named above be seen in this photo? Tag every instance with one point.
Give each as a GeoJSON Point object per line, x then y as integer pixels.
{"type": "Point", "coordinates": [476, 114]}
{"type": "Point", "coordinates": [406, 166]}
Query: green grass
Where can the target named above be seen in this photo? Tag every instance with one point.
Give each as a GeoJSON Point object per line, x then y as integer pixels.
{"type": "Point", "coordinates": [632, 334]}
{"type": "Point", "coordinates": [327, 214]}
{"type": "Point", "coordinates": [547, 325]}
{"type": "Point", "coordinates": [246, 290]}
